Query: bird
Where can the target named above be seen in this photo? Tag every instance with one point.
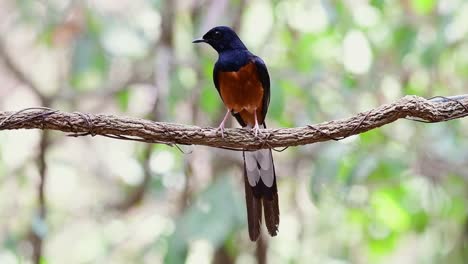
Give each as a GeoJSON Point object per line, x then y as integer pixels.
{"type": "Point", "coordinates": [243, 83]}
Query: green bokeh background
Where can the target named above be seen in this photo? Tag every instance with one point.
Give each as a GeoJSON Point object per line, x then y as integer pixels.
{"type": "Point", "coordinates": [397, 194]}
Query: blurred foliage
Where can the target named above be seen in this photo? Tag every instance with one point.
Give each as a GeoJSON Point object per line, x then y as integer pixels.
{"type": "Point", "coordinates": [397, 194]}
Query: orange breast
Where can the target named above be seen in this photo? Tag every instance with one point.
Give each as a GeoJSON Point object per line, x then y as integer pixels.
{"type": "Point", "coordinates": [242, 92]}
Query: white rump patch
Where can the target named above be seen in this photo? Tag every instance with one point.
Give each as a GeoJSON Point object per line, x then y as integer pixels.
{"type": "Point", "coordinates": [253, 173]}
{"type": "Point", "coordinates": [266, 166]}
{"type": "Point", "coordinates": [265, 172]}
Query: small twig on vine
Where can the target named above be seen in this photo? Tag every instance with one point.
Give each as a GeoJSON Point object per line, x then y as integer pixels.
{"type": "Point", "coordinates": [50, 111]}
{"type": "Point", "coordinates": [89, 123]}
{"type": "Point", "coordinates": [352, 132]}
{"type": "Point", "coordinates": [182, 151]}
{"type": "Point", "coordinates": [280, 150]}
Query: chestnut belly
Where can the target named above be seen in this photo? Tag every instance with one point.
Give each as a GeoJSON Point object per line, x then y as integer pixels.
{"type": "Point", "coordinates": [242, 92]}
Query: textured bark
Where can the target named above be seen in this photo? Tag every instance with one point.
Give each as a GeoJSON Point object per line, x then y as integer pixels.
{"type": "Point", "coordinates": [79, 124]}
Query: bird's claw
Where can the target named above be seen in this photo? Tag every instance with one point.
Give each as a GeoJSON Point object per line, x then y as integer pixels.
{"type": "Point", "coordinates": [220, 128]}
{"type": "Point", "coordinates": [257, 131]}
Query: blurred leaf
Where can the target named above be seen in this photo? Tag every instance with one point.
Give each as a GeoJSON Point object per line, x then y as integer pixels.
{"type": "Point", "coordinates": [419, 221]}
{"type": "Point", "coordinates": [357, 217]}
{"type": "Point", "coordinates": [415, 88]}
{"type": "Point", "coordinates": [380, 4]}
{"type": "Point", "coordinates": [387, 169]}
{"type": "Point", "coordinates": [275, 110]}
{"type": "Point", "coordinates": [321, 177]}
{"type": "Point", "coordinates": [291, 89]}
{"type": "Point", "coordinates": [303, 53]}
{"type": "Point", "coordinates": [46, 36]}
{"type": "Point", "coordinates": [209, 99]}
{"type": "Point", "coordinates": [349, 81]}
{"type": "Point", "coordinates": [382, 247]}
{"type": "Point", "coordinates": [372, 137]}
{"type": "Point", "coordinates": [404, 37]}
{"type": "Point", "coordinates": [345, 169]}
{"type": "Point", "coordinates": [386, 203]}
{"type": "Point", "coordinates": [123, 98]}
{"type": "Point", "coordinates": [89, 64]}
{"type": "Point", "coordinates": [430, 56]}
{"type": "Point", "coordinates": [93, 23]}
{"type": "Point", "coordinates": [423, 7]}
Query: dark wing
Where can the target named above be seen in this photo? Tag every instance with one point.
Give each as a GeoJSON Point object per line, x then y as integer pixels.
{"type": "Point", "coordinates": [215, 78]}
{"type": "Point", "coordinates": [265, 80]}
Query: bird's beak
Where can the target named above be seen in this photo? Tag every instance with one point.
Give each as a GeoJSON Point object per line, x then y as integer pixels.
{"type": "Point", "coordinates": [200, 40]}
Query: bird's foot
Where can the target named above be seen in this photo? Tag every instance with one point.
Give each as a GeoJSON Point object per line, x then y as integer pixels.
{"type": "Point", "coordinates": [221, 128]}
{"type": "Point", "coordinates": [256, 130]}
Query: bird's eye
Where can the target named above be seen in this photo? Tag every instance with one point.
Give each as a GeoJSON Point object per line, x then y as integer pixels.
{"type": "Point", "coordinates": [217, 35]}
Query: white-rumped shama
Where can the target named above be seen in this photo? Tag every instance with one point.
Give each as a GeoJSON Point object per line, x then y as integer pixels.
{"type": "Point", "coordinates": [243, 83]}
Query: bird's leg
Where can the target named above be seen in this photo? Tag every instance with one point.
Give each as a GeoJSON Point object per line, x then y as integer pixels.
{"type": "Point", "coordinates": [256, 128]}
{"type": "Point", "coordinates": [221, 126]}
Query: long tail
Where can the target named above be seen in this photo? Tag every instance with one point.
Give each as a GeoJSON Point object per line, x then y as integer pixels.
{"type": "Point", "coordinates": [260, 188]}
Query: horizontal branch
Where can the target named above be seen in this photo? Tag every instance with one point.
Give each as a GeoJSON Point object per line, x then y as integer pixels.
{"type": "Point", "coordinates": [79, 124]}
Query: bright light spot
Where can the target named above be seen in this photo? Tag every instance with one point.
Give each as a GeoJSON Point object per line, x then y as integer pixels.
{"type": "Point", "coordinates": [64, 181]}
{"type": "Point", "coordinates": [446, 7]}
{"type": "Point", "coordinates": [141, 99]}
{"type": "Point", "coordinates": [366, 16]}
{"type": "Point", "coordinates": [365, 101]}
{"type": "Point", "coordinates": [115, 230]}
{"type": "Point", "coordinates": [304, 16]}
{"type": "Point", "coordinates": [6, 257]}
{"type": "Point", "coordinates": [162, 162]}
{"type": "Point", "coordinates": [458, 27]}
{"type": "Point", "coordinates": [245, 258]}
{"type": "Point", "coordinates": [150, 22]}
{"type": "Point", "coordinates": [290, 232]}
{"type": "Point", "coordinates": [378, 231]}
{"type": "Point", "coordinates": [200, 251]}
{"type": "Point", "coordinates": [391, 87]}
{"type": "Point", "coordinates": [130, 171]}
{"type": "Point", "coordinates": [91, 246]}
{"type": "Point", "coordinates": [122, 164]}
{"type": "Point", "coordinates": [187, 77]}
{"type": "Point", "coordinates": [174, 180]}
{"type": "Point", "coordinates": [357, 54]}
{"type": "Point", "coordinates": [350, 139]}
{"type": "Point", "coordinates": [124, 41]}
{"type": "Point", "coordinates": [151, 227]}
{"type": "Point", "coordinates": [419, 81]}
{"type": "Point", "coordinates": [15, 147]}
{"type": "Point", "coordinates": [259, 14]}
{"type": "Point", "coordinates": [204, 206]}
{"type": "Point", "coordinates": [358, 194]}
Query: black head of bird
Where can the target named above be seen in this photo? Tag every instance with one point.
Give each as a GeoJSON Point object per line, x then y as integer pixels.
{"type": "Point", "coordinates": [222, 38]}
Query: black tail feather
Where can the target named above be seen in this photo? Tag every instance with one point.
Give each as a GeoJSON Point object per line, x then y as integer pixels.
{"type": "Point", "coordinates": [254, 210]}
{"type": "Point", "coordinates": [255, 196]}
